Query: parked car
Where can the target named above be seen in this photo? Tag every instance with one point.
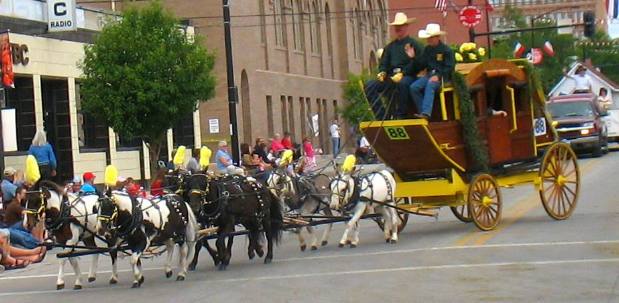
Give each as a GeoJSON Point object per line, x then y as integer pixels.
{"type": "Point", "coordinates": [580, 122]}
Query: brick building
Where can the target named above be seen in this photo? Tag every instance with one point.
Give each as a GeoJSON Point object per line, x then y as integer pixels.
{"type": "Point", "coordinates": [425, 12]}
{"type": "Point", "coordinates": [568, 11]}
{"type": "Point", "coordinates": [291, 58]}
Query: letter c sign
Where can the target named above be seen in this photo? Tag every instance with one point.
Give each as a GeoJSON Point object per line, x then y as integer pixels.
{"type": "Point", "coordinates": [60, 9]}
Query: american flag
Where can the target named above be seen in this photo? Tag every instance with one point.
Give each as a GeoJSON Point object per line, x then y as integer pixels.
{"type": "Point", "coordinates": [441, 5]}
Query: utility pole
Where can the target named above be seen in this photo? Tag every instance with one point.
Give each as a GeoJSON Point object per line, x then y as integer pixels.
{"type": "Point", "coordinates": [471, 29]}
{"type": "Point", "coordinates": [232, 89]}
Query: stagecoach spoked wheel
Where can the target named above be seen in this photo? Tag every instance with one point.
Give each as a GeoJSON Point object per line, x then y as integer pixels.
{"type": "Point", "coordinates": [401, 215]}
{"type": "Point", "coordinates": [559, 181]}
{"type": "Point", "coordinates": [462, 213]}
{"type": "Point", "coordinates": [484, 202]}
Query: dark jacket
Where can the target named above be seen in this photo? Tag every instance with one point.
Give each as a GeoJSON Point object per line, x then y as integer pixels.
{"type": "Point", "coordinates": [394, 56]}
{"type": "Point", "coordinates": [439, 60]}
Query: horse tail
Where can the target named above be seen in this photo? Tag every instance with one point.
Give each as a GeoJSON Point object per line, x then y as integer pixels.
{"type": "Point", "coordinates": [277, 218]}
{"type": "Point", "coordinates": [191, 232]}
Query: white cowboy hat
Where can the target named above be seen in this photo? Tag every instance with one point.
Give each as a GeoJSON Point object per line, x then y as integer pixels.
{"type": "Point", "coordinates": [431, 30]}
{"type": "Point", "coordinates": [401, 19]}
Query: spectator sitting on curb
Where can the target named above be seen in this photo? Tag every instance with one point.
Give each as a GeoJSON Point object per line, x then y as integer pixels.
{"type": "Point", "coordinates": [13, 257]}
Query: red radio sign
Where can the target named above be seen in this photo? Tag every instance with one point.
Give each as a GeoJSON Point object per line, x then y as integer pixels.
{"type": "Point", "coordinates": [470, 16]}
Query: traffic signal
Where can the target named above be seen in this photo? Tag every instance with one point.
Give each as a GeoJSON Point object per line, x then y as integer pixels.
{"type": "Point", "coordinates": [589, 18]}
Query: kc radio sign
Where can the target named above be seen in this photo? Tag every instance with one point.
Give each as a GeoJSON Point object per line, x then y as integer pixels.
{"type": "Point", "coordinates": [61, 15]}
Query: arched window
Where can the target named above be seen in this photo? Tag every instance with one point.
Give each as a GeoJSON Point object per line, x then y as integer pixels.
{"type": "Point", "coordinates": [317, 46]}
{"type": "Point", "coordinates": [278, 22]}
{"type": "Point", "coordinates": [297, 25]}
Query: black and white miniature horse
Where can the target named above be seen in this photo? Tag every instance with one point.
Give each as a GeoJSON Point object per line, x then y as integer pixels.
{"type": "Point", "coordinates": [230, 200]}
{"type": "Point", "coordinates": [140, 223]}
{"type": "Point", "coordinates": [70, 219]}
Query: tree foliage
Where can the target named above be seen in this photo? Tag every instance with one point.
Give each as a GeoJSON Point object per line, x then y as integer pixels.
{"type": "Point", "coordinates": [143, 74]}
{"type": "Point", "coordinates": [357, 110]}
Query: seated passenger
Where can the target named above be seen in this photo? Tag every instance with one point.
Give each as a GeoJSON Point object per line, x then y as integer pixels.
{"type": "Point", "coordinates": [440, 62]}
{"type": "Point", "coordinates": [397, 62]}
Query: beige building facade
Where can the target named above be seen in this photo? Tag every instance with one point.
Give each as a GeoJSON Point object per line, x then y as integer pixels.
{"type": "Point", "coordinates": [291, 58]}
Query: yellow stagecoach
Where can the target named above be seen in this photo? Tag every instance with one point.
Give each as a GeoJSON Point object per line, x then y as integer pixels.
{"type": "Point", "coordinates": [489, 129]}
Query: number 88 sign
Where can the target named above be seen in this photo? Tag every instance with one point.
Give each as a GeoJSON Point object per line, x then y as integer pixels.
{"type": "Point", "coordinates": [396, 133]}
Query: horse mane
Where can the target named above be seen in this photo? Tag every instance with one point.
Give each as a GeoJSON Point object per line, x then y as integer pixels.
{"type": "Point", "coordinates": [50, 185]}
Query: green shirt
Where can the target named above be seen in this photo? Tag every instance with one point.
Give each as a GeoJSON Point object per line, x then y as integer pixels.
{"type": "Point", "coordinates": [394, 56]}
{"type": "Point", "coordinates": [439, 60]}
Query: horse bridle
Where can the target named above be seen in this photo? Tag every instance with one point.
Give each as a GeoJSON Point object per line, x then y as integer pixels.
{"type": "Point", "coordinates": [38, 212]}
{"type": "Point", "coordinates": [111, 221]}
{"type": "Point", "coordinates": [344, 193]}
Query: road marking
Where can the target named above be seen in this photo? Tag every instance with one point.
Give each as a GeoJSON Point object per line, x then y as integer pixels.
{"type": "Point", "coordinates": [354, 272]}
{"type": "Point", "coordinates": [517, 212]}
{"type": "Point", "coordinates": [377, 253]}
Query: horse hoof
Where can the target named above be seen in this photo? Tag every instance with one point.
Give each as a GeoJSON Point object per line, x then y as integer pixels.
{"type": "Point", "coordinates": [222, 267]}
{"type": "Point", "coordinates": [260, 253]}
{"type": "Point", "coordinates": [180, 278]}
{"type": "Point", "coordinates": [113, 281]}
{"type": "Point", "coordinates": [353, 245]}
{"type": "Point", "coordinates": [60, 286]}
{"type": "Point", "coordinates": [324, 243]}
{"type": "Point", "coordinates": [168, 274]}
{"type": "Point", "coordinates": [77, 287]}
{"type": "Point", "coordinates": [303, 247]}
{"type": "Point", "coordinates": [135, 285]}
{"type": "Point", "coordinates": [314, 247]}
{"type": "Point", "coordinates": [192, 267]}
{"type": "Point", "coordinates": [348, 242]}
{"type": "Point", "coordinates": [141, 280]}
{"type": "Point", "coordinates": [340, 245]}
{"type": "Point", "coordinates": [268, 260]}
{"type": "Point", "coordinates": [251, 255]}
{"type": "Point", "coordinates": [393, 241]}
{"type": "Point", "coordinates": [91, 279]}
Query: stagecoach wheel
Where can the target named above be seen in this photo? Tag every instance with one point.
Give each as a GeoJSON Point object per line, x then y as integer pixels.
{"type": "Point", "coordinates": [484, 202]}
{"type": "Point", "coordinates": [402, 215]}
{"type": "Point", "coordinates": [462, 213]}
{"type": "Point", "coordinates": [559, 181]}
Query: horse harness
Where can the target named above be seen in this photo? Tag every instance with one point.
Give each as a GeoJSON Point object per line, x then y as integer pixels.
{"type": "Point", "coordinates": [64, 216]}
{"type": "Point", "coordinates": [356, 193]}
{"type": "Point", "coordinates": [224, 195]}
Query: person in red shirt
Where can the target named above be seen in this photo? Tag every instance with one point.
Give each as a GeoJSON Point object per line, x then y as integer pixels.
{"type": "Point", "coordinates": [276, 144]}
{"type": "Point", "coordinates": [156, 188]}
{"type": "Point", "coordinates": [287, 141]}
{"type": "Point", "coordinates": [132, 188]}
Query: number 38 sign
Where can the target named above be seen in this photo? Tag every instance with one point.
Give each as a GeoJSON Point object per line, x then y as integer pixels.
{"type": "Point", "coordinates": [396, 133]}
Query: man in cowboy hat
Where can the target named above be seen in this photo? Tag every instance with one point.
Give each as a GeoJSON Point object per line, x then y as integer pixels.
{"type": "Point", "coordinates": [439, 61]}
{"type": "Point", "coordinates": [398, 62]}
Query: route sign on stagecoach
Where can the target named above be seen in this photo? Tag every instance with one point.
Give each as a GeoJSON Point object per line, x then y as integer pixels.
{"type": "Point", "coordinates": [470, 16]}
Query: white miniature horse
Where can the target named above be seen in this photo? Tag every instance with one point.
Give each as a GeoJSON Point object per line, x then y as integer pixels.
{"type": "Point", "coordinates": [306, 202]}
{"type": "Point", "coordinates": [70, 219]}
{"type": "Point", "coordinates": [365, 193]}
{"type": "Point", "coordinates": [140, 222]}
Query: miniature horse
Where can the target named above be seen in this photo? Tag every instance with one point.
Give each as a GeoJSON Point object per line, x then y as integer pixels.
{"type": "Point", "coordinates": [237, 199]}
{"type": "Point", "coordinates": [299, 193]}
{"type": "Point", "coordinates": [70, 219]}
{"type": "Point", "coordinates": [140, 223]}
{"type": "Point", "coordinates": [364, 193]}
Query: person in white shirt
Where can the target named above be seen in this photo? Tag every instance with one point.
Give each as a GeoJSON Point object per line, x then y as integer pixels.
{"type": "Point", "coordinates": [582, 81]}
{"type": "Point", "coordinates": [335, 137]}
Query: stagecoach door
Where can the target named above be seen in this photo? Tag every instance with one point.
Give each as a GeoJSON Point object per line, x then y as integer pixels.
{"type": "Point", "coordinates": [510, 138]}
{"type": "Point", "coordinates": [57, 123]}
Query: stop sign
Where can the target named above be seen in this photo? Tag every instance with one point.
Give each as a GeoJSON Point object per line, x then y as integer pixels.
{"type": "Point", "coordinates": [470, 16]}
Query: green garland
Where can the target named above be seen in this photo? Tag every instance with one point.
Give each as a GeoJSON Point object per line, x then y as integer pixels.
{"type": "Point", "coordinates": [475, 148]}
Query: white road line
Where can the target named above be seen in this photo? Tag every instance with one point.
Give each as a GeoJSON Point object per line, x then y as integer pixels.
{"type": "Point", "coordinates": [354, 272]}
{"type": "Point", "coordinates": [459, 247]}
{"type": "Point", "coordinates": [386, 252]}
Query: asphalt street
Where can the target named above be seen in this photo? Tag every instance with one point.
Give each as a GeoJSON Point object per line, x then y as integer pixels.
{"type": "Point", "coordinates": [528, 258]}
